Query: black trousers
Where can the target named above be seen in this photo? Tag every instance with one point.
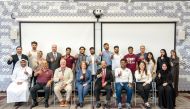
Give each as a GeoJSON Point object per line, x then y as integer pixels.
{"type": "Point", "coordinates": [166, 97]}
{"type": "Point", "coordinates": [37, 87]}
{"type": "Point", "coordinates": [144, 91]}
{"type": "Point", "coordinates": [97, 92]}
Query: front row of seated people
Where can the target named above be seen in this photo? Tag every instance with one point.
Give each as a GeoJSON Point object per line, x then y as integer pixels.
{"type": "Point", "coordinates": [18, 90]}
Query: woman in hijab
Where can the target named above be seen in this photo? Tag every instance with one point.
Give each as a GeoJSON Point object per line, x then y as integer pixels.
{"type": "Point", "coordinates": [165, 89]}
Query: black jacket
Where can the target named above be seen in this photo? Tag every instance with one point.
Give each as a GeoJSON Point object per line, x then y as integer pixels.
{"type": "Point", "coordinates": [15, 59]}
{"type": "Point", "coordinates": [108, 78]}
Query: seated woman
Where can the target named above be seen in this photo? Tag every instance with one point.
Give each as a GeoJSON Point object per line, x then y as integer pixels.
{"type": "Point", "coordinates": [83, 80]}
{"type": "Point", "coordinates": [165, 89]}
{"type": "Point", "coordinates": [143, 79]}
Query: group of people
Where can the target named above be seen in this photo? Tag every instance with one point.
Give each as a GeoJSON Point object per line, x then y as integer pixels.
{"type": "Point", "coordinates": [110, 71]}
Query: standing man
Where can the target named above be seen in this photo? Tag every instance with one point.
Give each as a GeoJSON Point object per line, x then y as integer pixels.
{"type": "Point", "coordinates": [17, 57]}
{"type": "Point", "coordinates": [131, 60]}
{"type": "Point", "coordinates": [33, 59]}
{"type": "Point", "coordinates": [123, 80]}
{"type": "Point", "coordinates": [70, 60]}
{"type": "Point", "coordinates": [142, 55]}
{"type": "Point", "coordinates": [18, 90]}
{"type": "Point", "coordinates": [106, 55]}
{"type": "Point", "coordinates": [116, 57]}
{"type": "Point", "coordinates": [33, 54]}
{"type": "Point", "coordinates": [63, 78]}
{"type": "Point", "coordinates": [53, 58]}
{"type": "Point", "coordinates": [104, 78]}
{"type": "Point", "coordinates": [93, 60]}
{"type": "Point", "coordinates": [80, 57]}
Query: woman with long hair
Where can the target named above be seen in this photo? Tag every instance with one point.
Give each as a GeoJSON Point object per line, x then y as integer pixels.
{"type": "Point", "coordinates": [163, 59]}
{"type": "Point", "coordinates": [83, 82]}
{"type": "Point", "coordinates": [174, 59]}
{"type": "Point", "coordinates": [143, 80]}
{"type": "Point", "coordinates": [151, 64]}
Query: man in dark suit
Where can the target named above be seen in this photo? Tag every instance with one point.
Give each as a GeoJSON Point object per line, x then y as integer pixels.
{"type": "Point", "coordinates": [53, 58]}
{"type": "Point", "coordinates": [16, 57]}
{"type": "Point", "coordinates": [104, 78]}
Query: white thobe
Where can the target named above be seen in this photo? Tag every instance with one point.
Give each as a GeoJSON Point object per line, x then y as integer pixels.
{"type": "Point", "coordinates": [19, 93]}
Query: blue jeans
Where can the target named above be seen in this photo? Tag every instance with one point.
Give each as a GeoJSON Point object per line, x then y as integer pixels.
{"type": "Point", "coordinates": [119, 87]}
{"type": "Point", "coordinates": [82, 91]}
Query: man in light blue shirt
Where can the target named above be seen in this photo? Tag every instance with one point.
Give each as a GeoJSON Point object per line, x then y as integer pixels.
{"type": "Point", "coordinates": [106, 56]}
{"type": "Point", "coordinates": [93, 60]}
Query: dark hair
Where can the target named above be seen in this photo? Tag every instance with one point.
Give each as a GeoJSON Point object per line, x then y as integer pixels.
{"type": "Point", "coordinates": [82, 47]}
{"type": "Point", "coordinates": [174, 52]}
{"type": "Point", "coordinates": [116, 46]}
{"type": "Point", "coordinates": [123, 60]}
{"type": "Point", "coordinates": [164, 52]}
{"type": "Point", "coordinates": [18, 47]}
{"type": "Point", "coordinates": [130, 47]}
{"type": "Point", "coordinates": [34, 42]}
{"type": "Point", "coordinates": [145, 69]}
{"type": "Point", "coordinates": [68, 48]}
{"type": "Point", "coordinates": [91, 48]}
{"type": "Point", "coordinates": [106, 44]}
{"type": "Point", "coordinates": [148, 60]}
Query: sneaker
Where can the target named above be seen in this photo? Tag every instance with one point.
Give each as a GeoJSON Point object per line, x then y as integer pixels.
{"type": "Point", "coordinates": [34, 104]}
{"type": "Point", "coordinates": [147, 105]}
{"type": "Point", "coordinates": [46, 105]}
{"type": "Point", "coordinates": [119, 106]}
{"type": "Point", "coordinates": [98, 105]}
{"type": "Point", "coordinates": [128, 106]}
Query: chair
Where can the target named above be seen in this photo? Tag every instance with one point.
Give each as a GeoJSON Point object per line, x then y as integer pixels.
{"type": "Point", "coordinates": [91, 92]}
{"type": "Point", "coordinates": [153, 91]}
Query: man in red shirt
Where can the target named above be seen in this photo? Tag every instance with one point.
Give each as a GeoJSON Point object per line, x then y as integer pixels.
{"type": "Point", "coordinates": [70, 60]}
{"type": "Point", "coordinates": [44, 80]}
{"type": "Point", "coordinates": [132, 61]}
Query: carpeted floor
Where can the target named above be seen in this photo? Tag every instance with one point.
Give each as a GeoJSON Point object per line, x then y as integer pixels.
{"type": "Point", "coordinates": [182, 102]}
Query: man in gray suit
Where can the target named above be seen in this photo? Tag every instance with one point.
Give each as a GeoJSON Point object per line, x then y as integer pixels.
{"type": "Point", "coordinates": [53, 58]}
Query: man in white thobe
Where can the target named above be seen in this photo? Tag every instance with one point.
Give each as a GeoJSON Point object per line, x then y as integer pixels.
{"type": "Point", "coordinates": [18, 90]}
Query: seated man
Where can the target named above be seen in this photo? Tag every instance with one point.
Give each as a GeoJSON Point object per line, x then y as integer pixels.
{"type": "Point", "coordinates": [44, 80]}
{"type": "Point", "coordinates": [18, 90]}
{"type": "Point", "coordinates": [123, 80]}
{"type": "Point", "coordinates": [104, 78]}
{"type": "Point", "coordinates": [63, 78]}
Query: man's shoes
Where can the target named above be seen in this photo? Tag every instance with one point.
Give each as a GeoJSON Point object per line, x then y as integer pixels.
{"type": "Point", "coordinates": [81, 105]}
{"type": "Point", "coordinates": [119, 106]}
{"type": "Point", "coordinates": [16, 104]}
{"type": "Point", "coordinates": [34, 104]}
{"type": "Point", "coordinates": [128, 106]}
{"type": "Point", "coordinates": [62, 103]}
{"type": "Point", "coordinates": [46, 105]}
{"type": "Point", "coordinates": [98, 105]}
{"type": "Point", "coordinates": [107, 105]}
{"type": "Point", "coordinates": [66, 103]}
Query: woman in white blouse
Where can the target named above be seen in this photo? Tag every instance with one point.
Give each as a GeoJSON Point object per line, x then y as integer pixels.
{"type": "Point", "coordinates": [143, 79]}
{"type": "Point", "coordinates": [151, 64]}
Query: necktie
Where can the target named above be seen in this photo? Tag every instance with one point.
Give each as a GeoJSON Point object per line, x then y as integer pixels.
{"type": "Point", "coordinates": [103, 76]}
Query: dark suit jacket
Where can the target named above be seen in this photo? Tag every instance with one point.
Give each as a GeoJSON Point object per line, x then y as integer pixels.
{"type": "Point", "coordinates": [15, 59]}
{"type": "Point", "coordinates": [108, 78]}
{"type": "Point", "coordinates": [56, 62]}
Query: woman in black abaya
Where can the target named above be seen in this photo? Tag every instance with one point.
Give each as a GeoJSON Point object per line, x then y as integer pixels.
{"type": "Point", "coordinates": [165, 89]}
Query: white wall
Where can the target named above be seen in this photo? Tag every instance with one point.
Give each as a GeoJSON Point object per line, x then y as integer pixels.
{"type": "Point", "coordinates": [64, 35]}
{"type": "Point", "coordinates": [154, 36]}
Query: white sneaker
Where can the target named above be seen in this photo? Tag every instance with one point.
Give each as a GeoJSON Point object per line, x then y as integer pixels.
{"type": "Point", "coordinates": [119, 106]}
{"type": "Point", "coordinates": [128, 106]}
